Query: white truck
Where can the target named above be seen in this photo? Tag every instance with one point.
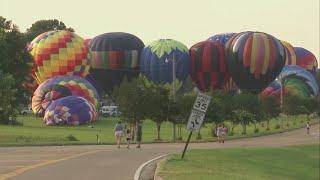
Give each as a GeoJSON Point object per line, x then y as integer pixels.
{"type": "Point", "coordinates": [109, 111]}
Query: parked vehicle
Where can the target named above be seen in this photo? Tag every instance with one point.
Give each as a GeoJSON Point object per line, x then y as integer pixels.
{"type": "Point", "coordinates": [109, 111]}
{"type": "Point", "coordinates": [27, 110]}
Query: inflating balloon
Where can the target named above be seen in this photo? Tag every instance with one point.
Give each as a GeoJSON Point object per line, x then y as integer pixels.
{"type": "Point", "coordinates": [295, 81]}
{"type": "Point", "coordinates": [306, 60]}
{"type": "Point", "coordinates": [254, 60]}
{"type": "Point", "coordinates": [156, 62]}
{"type": "Point", "coordinates": [70, 111]}
{"type": "Point", "coordinates": [114, 56]}
{"type": "Point", "coordinates": [208, 68]}
{"type": "Point", "coordinates": [222, 38]}
{"type": "Point", "coordinates": [59, 53]}
{"type": "Point", "coordinates": [61, 86]}
{"type": "Point", "coordinates": [291, 58]}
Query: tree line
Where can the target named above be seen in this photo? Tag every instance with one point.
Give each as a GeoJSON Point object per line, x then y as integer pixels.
{"type": "Point", "coordinates": [141, 99]}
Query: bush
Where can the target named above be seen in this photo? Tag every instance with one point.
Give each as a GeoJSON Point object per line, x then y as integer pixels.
{"type": "Point", "coordinates": [230, 133]}
{"type": "Point", "coordinates": [71, 138]}
{"type": "Point", "coordinates": [277, 126]}
{"type": "Point", "coordinates": [256, 130]}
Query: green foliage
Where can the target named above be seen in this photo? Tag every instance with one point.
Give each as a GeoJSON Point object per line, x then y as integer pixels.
{"type": "Point", "coordinates": [71, 138]}
{"type": "Point", "coordinates": [42, 26]}
{"type": "Point", "coordinates": [13, 69]}
{"type": "Point", "coordinates": [277, 126]}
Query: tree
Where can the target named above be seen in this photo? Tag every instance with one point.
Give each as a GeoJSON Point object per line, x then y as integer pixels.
{"type": "Point", "coordinates": [7, 96]}
{"type": "Point", "coordinates": [13, 59]}
{"type": "Point", "coordinates": [244, 118]}
{"type": "Point", "coordinates": [270, 108]}
{"type": "Point", "coordinates": [42, 26]}
{"type": "Point", "coordinates": [218, 109]}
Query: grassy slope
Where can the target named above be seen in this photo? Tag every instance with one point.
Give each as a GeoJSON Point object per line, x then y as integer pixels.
{"type": "Point", "coordinates": [298, 162]}
{"type": "Point", "coordinates": [34, 132]}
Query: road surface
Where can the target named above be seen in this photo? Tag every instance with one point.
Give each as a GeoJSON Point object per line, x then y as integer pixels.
{"type": "Point", "coordinates": [107, 162]}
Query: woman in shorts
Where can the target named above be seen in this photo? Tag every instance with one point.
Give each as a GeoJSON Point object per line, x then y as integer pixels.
{"type": "Point", "coordinates": [118, 132]}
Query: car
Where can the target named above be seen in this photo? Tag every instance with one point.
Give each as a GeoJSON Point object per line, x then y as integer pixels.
{"type": "Point", "coordinates": [109, 111]}
{"type": "Point", "coordinates": [26, 111]}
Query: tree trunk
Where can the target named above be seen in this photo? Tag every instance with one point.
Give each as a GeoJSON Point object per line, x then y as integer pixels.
{"type": "Point", "coordinates": [174, 131]}
{"type": "Point", "coordinates": [213, 130]}
{"type": "Point", "coordinates": [158, 130]}
{"type": "Point", "coordinates": [199, 134]}
{"type": "Point", "coordinates": [268, 122]}
{"type": "Point", "coordinates": [244, 128]}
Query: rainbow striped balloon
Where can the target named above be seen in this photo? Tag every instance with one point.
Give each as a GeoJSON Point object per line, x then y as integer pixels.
{"type": "Point", "coordinates": [59, 53]}
{"type": "Point", "coordinates": [71, 85]}
{"type": "Point", "coordinates": [254, 59]}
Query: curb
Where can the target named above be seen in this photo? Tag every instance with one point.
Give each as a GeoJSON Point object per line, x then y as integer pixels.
{"type": "Point", "coordinates": [141, 167]}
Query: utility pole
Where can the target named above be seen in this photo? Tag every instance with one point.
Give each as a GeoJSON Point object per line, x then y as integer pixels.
{"type": "Point", "coordinates": [174, 93]}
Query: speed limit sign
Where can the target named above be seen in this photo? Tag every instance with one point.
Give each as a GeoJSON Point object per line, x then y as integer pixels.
{"type": "Point", "coordinates": [202, 102]}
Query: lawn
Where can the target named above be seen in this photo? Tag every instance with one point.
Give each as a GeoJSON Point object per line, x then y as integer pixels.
{"type": "Point", "coordinates": [34, 132]}
{"type": "Point", "coordinates": [296, 162]}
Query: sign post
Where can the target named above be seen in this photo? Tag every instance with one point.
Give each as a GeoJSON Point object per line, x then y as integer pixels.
{"type": "Point", "coordinates": [197, 116]}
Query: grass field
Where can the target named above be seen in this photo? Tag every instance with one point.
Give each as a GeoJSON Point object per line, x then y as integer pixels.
{"type": "Point", "coordinates": [33, 132]}
{"type": "Point", "coordinates": [296, 162]}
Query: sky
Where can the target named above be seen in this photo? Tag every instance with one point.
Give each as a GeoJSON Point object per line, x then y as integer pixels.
{"type": "Point", "coordinates": [188, 21]}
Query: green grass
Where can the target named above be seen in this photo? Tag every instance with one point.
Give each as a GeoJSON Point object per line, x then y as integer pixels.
{"type": "Point", "coordinates": [34, 132]}
{"type": "Point", "coordinates": [296, 162]}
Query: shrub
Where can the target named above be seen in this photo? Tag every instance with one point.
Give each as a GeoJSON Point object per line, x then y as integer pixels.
{"type": "Point", "coordinates": [277, 126]}
{"type": "Point", "coordinates": [230, 133]}
{"type": "Point", "coordinates": [71, 138]}
{"type": "Point", "coordinates": [256, 130]}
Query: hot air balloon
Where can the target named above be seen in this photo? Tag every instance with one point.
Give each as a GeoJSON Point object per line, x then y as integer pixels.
{"type": "Point", "coordinates": [114, 56]}
{"type": "Point", "coordinates": [273, 89]}
{"type": "Point", "coordinates": [306, 60]}
{"type": "Point", "coordinates": [70, 111]}
{"type": "Point", "coordinates": [254, 60]}
{"type": "Point", "coordinates": [61, 86]}
{"type": "Point", "coordinates": [295, 81]}
{"type": "Point", "coordinates": [208, 68]}
{"type": "Point", "coordinates": [222, 38]}
{"type": "Point", "coordinates": [59, 53]}
{"type": "Point", "coordinates": [291, 58]}
{"type": "Point", "coordinates": [163, 58]}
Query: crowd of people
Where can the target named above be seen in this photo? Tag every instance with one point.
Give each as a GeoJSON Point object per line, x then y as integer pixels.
{"type": "Point", "coordinates": [120, 131]}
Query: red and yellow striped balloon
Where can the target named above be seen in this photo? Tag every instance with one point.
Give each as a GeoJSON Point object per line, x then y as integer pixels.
{"type": "Point", "coordinates": [291, 57]}
{"type": "Point", "coordinates": [254, 59]}
{"type": "Point", "coordinates": [59, 53]}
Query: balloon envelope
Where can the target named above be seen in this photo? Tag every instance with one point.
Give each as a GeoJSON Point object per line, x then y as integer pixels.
{"type": "Point", "coordinates": [208, 68]}
{"type": "Point", "coordinates": [61, 86]}
{"type": "Point", "coordinates": [114, 56]}
{"type": "Point", "coordinates": [291, 58]}
{"type": "Point", "coordinates": [59, 53]}
{"type": "Point", "coordinates": [70, 110]}
{"type": "Point", "coordinates": [254, 59]}
{"type": "Point", "coordinates": [222, 38]}
{"type": "Point", "coordinates": [306, 60]}
{"type": "Point", "coordinates": [156, 62]}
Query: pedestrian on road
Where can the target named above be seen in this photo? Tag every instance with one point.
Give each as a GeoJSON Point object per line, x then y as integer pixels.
{"type": "Point", "coordinates": [128, 138]}
{"type": "Point", "coordinates": [224, 131]}
{"type": "Point", "coordinates": [138, 133]}
{"type": "Point", "coordinates": [219, 132]}
{"type": "Point", "coordinates": [118, 131]}
{"type": "Point", "coordinates": [308, 127]}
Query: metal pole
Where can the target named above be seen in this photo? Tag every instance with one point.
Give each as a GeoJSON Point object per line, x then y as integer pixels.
{"type": "Point", "coordinates": [174, 92]}
{"type": "Point", "coordinates": [186, 146]}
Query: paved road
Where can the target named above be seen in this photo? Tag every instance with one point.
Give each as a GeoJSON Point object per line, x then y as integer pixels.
{"type": "Point", "coordinates": [108, 162]}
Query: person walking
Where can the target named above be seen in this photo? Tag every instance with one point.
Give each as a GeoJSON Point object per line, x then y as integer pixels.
{"type": "Point", "coordinates": [308, 127]}
{"type": "Point", "coordinates": [118, 132]}
{"type": "Point", "coordinates": [128, 138]}
{"type": "Point", "coordinates": [138, 133]}
{"type": "Point", "coordinates": [224, 131]}
{"type": "Point", "coordinates": [219, 131]}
